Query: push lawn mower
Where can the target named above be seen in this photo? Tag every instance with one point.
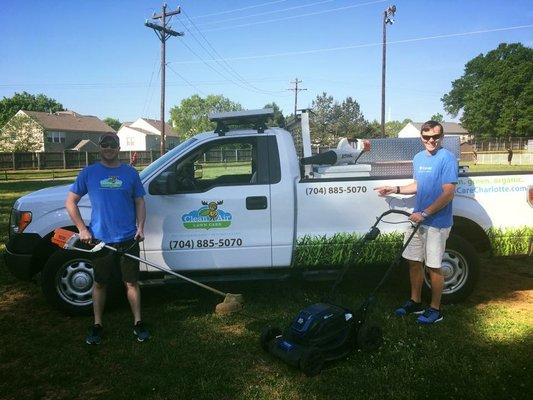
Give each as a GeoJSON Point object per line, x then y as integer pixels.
{"type": "Point", "coordinates": [326, 331]}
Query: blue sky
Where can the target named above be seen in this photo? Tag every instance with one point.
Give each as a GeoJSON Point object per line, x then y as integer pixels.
{"type": "Point", "coordinates": [98, 58]}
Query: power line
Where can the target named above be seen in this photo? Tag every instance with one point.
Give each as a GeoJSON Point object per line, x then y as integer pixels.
{"type": "Point", "coordinates": [267, 12]}
{"type": "Point", "coordinates": [296, 16]}
{"type": "Point", "coordinates": [357, 46]}
{"type": "Point", "coordinates": [239, 9]}
{"type": "Point", "coordinates": [148, 94]}
{"type": "Point", "coordinates": [224, 64]}
{"type": "Point", "coordinates": [186, 81]}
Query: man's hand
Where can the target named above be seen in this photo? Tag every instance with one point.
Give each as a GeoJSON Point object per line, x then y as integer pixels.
{"type": "Point", "coordinates": [417, 217]}
{"type": "Point", "coordinates": [385, 190]}
{"type": "Point", "coordinates": [139, 235]}
{"type": "Point", "coordinates": [85, 236]}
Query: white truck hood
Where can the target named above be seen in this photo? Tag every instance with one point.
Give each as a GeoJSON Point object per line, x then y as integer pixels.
{"type": "Point", "coordinates": [47, 200]}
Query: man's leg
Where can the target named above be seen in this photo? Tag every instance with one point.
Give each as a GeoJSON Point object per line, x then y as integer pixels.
{"type": "Point", "coordinates": [416, 277]}
{"type": "Point", "coordinates": [437, 284]}
{"type": "Point", "coordinates": [99, 296]}
{"type": "Point", "coordinates": [134, 297]}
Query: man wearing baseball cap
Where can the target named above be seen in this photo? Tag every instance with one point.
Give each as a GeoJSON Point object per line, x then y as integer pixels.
{"type": "Point", "coordinates": [117, 218]}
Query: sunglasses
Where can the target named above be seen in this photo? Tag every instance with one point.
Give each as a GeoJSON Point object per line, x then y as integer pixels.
{"type": "Point", "coordinates": [435, 137]}
{"type": "Point", "coordinates": [107, 145]}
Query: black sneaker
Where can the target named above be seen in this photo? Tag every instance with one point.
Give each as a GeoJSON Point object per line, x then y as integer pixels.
{"type": "Point", "coordinates": [95, 334]}
{"type": "Point", "coordinates": [410, 307]}
{"type": "Point", "coordinates": [140, 332]}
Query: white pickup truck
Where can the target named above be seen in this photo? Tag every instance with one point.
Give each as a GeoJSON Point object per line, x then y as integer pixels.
{"type": "Point", "coordinates": [264, 216]}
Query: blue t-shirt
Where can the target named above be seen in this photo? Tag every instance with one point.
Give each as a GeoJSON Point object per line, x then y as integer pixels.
{"type": "Point", "coordinates": [112, 192]}
{"type": "Point", "coordinates": [431, 171]}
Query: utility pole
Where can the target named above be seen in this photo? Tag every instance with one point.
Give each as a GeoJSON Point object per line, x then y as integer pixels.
{"type": "Point", "coordinates": [296, 90]}
{"type": "Point", "coordinates": [388, 19]}
{"type": "Point", "coordinates": [163, 33]}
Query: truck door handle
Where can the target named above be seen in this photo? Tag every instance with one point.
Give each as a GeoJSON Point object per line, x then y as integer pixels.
{"type": "Point", "coordinates": [256, 203]}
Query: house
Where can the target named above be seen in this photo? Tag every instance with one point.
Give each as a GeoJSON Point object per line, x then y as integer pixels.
{"type": "Point", "coordinates": [56, 132]}
{"type": "Point", "coordinates": [412, 129]}
{"type": "Point", "coordinates": [145, 134]}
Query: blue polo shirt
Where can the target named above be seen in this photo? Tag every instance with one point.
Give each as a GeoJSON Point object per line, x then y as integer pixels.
{"type": "Point", "coordinates": [112, 192]}
{"type": "Point", "coordinates": [431, 171]}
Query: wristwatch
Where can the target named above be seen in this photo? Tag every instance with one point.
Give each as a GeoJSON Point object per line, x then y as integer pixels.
{"type": "Point", "coordinates": [424, 214]}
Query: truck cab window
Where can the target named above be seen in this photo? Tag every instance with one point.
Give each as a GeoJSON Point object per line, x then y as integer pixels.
{"type": "Point", "coordinates": [224, 162]}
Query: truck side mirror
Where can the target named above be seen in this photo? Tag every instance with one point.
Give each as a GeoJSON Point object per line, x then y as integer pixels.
{"type": "Point", "coordinates": [165, 183]}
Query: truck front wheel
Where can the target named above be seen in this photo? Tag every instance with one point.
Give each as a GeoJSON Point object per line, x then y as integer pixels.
{"type": "Point", "coordinates": [460, 266]}
{"type": "Point", "coordinates": [67, 281]}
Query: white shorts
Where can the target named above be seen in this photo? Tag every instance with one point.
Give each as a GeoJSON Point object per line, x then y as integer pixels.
{"type": "Point", "coordinates": [427, 246]}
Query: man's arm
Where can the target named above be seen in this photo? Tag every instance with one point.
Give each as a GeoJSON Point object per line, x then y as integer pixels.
{"type": "Point", "coordinates": [71, 204]}
{"type": "Point", "coordinates": [448, 191]}
{"type": "Point", "coordinates": [406, 189]}
{"type": "Point", "coordinates": [140, 213]}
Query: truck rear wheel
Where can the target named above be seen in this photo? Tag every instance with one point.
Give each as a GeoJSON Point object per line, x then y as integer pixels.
{"type": "Point", "coordinates": [67, 281]}
{"type": "Point", "coordinates": [460, 266]}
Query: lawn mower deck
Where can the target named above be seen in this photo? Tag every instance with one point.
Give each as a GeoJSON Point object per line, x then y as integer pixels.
{"type": "Point", "coordinates": [319, 333]}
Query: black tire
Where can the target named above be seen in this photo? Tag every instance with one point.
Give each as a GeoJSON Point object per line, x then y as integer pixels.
{"type": "Point", "coordinates": [267, 335]}
{"type": "Point", "coordinates": [311, 362]}
{"type": "Point", "coordinates": [369, 338]}
{"type": "Point", "coordinates": [67, 281]}
{"type": "Point", "coordinates": [461, 270]}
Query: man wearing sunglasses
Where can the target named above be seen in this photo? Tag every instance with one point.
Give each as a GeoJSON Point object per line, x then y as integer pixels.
{"type": "Point", "coordinates": [435, 173]}
{"type": "Point", "coordinates": [117, 218]}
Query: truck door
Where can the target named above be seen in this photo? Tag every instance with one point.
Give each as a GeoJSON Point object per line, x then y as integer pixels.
{"type": "Point", "coordinates": [211, 208]}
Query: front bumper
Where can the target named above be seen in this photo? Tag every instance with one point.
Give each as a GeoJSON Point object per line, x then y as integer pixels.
{"type": "Point", "coordinates": [19, 254]}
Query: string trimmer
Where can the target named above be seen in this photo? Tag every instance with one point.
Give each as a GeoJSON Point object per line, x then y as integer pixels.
{"type": "Point", "coordinates": [69, 240]}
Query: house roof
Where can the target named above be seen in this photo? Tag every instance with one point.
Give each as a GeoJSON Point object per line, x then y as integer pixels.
{"type": "Point", "coordinates": [157, 125]}
{"type": "Point", "coordinates": [141, 130]}
{"type": "Point", "coordinates": [69, 121]}
{"type": "Point", "coordinates": [449, 127]}
{"type": "Point", "coordinates": [85, 145]}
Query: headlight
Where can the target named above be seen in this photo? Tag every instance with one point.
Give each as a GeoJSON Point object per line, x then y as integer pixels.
{"type": "Point", "coordinates": [19, 221]}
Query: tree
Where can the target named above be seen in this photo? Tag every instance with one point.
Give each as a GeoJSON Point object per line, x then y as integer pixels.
{"type": "Point", "coordinates": [495, 93]}
{"type": "Point", "coordinates": [113, 123]}
{"type": "Point", "coordinates": [191, 116]}
{"type": "Point", "coordinates": [21, 134]}
{"type": "Point", "coordinates": [278, 119]}
{"type": "Point", "coordinates": [26, 101]}
{"type": "Point", "coordinates": [437, 117]}
{"type": "Point", "coordinates": [331, 120]}
{"type": "Point", "coordinates": [392, 128]}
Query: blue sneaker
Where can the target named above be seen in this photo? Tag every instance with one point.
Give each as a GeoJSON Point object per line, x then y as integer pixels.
{"type": "Point", "coordinates": [430, 316]}
{"type": "Point", "coordinates": [410, 307]}
{"type": "Point", "coordinates": [140, 332]}
{"type": "Point", "coordinates": [95, 334]}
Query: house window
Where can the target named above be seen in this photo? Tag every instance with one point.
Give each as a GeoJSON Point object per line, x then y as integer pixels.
{"type": "Point", "coordinates": [130, 141]}
{"type": "Point", "coordinates": [55, 137]}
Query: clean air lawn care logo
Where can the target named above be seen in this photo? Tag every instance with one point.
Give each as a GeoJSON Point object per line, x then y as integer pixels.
{"type": "Point", "coordinates": [111, 183]}
{"type": "Point", "coordinates": [209, 216]}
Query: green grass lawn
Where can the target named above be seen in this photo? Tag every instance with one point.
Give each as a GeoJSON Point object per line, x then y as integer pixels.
{"type": "Point", "coordinates": [482, 350]}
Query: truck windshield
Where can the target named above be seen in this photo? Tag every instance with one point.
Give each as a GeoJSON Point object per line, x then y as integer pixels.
{"type": "Point", "coordinates": [153, 167]}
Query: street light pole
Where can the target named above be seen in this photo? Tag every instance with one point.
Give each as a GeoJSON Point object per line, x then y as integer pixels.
{"type": "Point", "coordinates": [388, 15]}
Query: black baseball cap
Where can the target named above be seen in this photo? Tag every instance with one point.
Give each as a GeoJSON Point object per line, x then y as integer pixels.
{"type": "Point", "coordinates": [111, 136]}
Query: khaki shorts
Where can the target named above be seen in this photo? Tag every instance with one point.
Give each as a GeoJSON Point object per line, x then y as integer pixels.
{"type": "Point", "coordinates": [427, 246]}
{"type": "Point", "coordinates": [111, 263]}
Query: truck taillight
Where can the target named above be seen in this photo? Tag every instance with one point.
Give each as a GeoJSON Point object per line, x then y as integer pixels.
{"type": "Point", "coordinates": [530, 196]}
{"type": "Point", "coordinates": [19, 220]}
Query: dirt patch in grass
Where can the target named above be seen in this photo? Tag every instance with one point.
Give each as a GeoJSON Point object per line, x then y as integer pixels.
{"type": "Point", "coordinates": [507, 282]}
